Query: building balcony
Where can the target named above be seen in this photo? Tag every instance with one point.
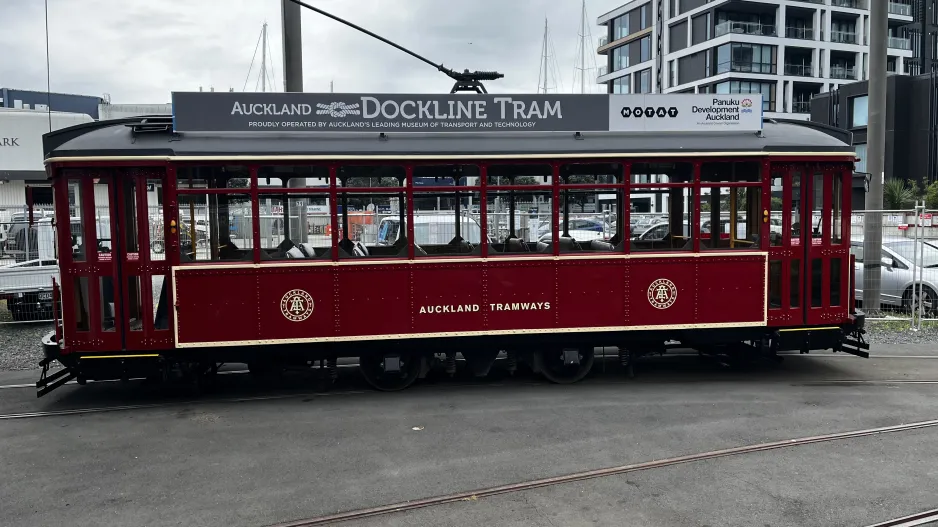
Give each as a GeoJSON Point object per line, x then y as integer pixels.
{"type": "Point", "coordinates": [843, 72]}
{"type": "Point", "coordinates": [801, 107]}
{"type": "Point", "coordinates": [799, 70]}
{"type": "Point", "coordinates": [843, 37]}
{"type": "Point", "coordinates": [899, 43]}
{"type": "Point", "coordinates": [846, 3]}
{"type": "Point", "coordinates": [602, 70]}
{"type": "Point", "coordinates": [812, 1]}
{"type": "Point", "coordinates": [895, 8]}
{"type": "Point", "coordinates": [603, 40]}
{"type": "Point", "coordinates": [803, 33]}
{"type": "Point", "coordinates": [744, 28]}
{"type": "Point", "coordinates": [741, 66]}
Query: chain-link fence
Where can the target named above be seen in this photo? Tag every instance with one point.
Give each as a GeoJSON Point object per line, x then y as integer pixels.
{"type": "Point", "coordinates": [908, 276]}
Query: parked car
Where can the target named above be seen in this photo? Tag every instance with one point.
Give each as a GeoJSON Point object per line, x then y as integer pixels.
{"type": "Point", "coordinates": [897, 273]}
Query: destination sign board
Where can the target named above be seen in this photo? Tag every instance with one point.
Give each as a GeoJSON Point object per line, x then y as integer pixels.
{"type": "Point", "coordinates": [221, 112]}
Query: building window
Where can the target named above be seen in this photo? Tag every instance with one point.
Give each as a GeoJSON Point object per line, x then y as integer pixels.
{"type": "Point", "coordinates": [620, 58]}
{"type": "Point", "coordinates": [861, 153]}
{"type": "Point", "coordinates": [620, 27]}
{"type": "Point", "coordinates": [859, 111]}
{"type": "Point", "coordinates": [767, 89]}
{"type": "Point", "coordinates": [646, 48]}
{"type": "Point", "coordinates": [646, 20]}
{"type": "Point", "coordinates": [746, 58]}
{"type": "Point", "coordinates": [644, 81]}
{"type": "Point", "coordinates": [622, 84]}
{"type": "Point", "coordinates": [672, 73]}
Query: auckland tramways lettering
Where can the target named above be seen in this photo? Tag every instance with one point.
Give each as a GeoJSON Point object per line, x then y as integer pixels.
{"type": "Point", "coordinates": [474, 308]}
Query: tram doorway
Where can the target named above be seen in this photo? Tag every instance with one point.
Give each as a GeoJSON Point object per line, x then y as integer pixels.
{"type": "Point", "coordinates": [119, 272]}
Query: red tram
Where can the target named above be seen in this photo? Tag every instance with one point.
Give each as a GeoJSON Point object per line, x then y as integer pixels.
{"type": "Point", "coordinates": [184, 250]}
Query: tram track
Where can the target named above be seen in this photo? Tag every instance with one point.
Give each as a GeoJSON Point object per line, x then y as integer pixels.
{"type": "Point", "coordinates": [921, 518]}
{"type": "Point", "coordinates": [532, 484]}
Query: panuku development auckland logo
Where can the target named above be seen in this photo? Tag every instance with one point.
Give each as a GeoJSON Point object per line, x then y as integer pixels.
{"type": "Point", "coordinates": [662, 293]}
{"type": "Point", "coordinates": [338, 109]}
{"type": "Point", "coordinates": [296, 305]}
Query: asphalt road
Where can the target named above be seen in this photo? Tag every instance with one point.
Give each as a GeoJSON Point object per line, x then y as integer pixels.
{"type": "Point", "coordinates": [259, 462]}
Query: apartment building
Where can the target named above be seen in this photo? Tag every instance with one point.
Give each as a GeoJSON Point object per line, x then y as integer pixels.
{"type": "Point", "coordinates": [787, 50]}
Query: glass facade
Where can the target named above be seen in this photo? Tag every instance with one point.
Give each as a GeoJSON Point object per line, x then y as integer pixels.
{"type": "Point", "coordinates": [746, 58]}
{"type": "Point", "coordinates": [767, 89]}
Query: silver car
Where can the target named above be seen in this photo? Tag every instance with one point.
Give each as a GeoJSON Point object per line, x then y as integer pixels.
{"type": "Point", "coordinates": [897, 273]}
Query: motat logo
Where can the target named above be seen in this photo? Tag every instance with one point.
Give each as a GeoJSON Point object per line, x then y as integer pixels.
{"type": "Point", "coordinates": [9, 141]}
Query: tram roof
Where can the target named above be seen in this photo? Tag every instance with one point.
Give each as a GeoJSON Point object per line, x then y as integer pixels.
{"type": "Point", "coordinates": [152, 137]}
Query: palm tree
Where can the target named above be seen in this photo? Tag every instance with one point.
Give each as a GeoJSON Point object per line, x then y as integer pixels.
{"type": "Point", "coordinates": [897, 194]}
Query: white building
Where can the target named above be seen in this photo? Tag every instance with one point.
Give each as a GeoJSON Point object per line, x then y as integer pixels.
{"type": "Point", "coordinates": [788, 50]}
{"type": "Point", "coordinates": [107, 111]}
{"type": "Point", "coordinates": [21, 152]}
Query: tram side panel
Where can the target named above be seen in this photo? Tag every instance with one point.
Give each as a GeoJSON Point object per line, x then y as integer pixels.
{"type": "Point", "coordinates": [297, 303]}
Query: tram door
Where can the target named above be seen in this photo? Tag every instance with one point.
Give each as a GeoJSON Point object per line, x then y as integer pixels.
{"type": "Point", "coordinates": [121, 265]}
{"type": "Point", "coordinates": [808, 256]}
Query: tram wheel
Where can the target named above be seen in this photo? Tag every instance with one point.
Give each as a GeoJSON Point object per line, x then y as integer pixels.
{"type": "Point", "coordinates": [564, 365]}
{"type": "Point", "coordinates": [391, 372]}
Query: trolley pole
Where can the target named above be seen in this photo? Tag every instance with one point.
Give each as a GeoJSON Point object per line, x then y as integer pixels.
{"type": "Point", "coordinates": [291, 14]}
{"type": "Point", "coordinates": [876, 150]}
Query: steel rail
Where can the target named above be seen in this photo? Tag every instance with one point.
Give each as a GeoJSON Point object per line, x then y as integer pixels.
{"type": "Point", "coordinates": [474, 495]}
{"type": "Point", "coordinates": [921, 518]}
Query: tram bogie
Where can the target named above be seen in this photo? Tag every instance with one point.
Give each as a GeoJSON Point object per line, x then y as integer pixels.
{"type": "Point", "coordinates": [305, 258]}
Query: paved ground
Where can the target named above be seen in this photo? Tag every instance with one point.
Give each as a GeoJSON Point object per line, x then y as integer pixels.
{"type": "Point", "coordinates": [258, 462]}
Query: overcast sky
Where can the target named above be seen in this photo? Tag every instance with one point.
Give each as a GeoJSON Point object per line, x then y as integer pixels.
{"type": "Point", "coordinates": [139, 51]}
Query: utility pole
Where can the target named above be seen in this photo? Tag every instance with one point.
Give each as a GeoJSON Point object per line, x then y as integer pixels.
{"type": "Point", "coordinates": [292, 46]}
{"type": "Point", "coordinates": [876, 162]}
{"type": "Point", "coordinates": [293, 82]}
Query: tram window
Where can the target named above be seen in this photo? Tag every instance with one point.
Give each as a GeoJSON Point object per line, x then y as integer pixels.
{"type": "Point", "coordinates": [294, 226]}
{"type": "Point", "coordinates": [106, 295]}
{"type": "Point", "coordinates": [366, 176]}
{"type": "Point", "coordinates": [837, 210]}
{"type": "Point", "coordinates": [665, 218]}
{"type": "Point", "coordinates": [82, 311]}
{"type": "Point", "coordinates": [794, 284]}
{"type": "Point", "coordinates": [816, 280]}
{"type": "Point", "coordinates": [817, 207]}
{"type": "Point", "coordinates": [520, 175]}
{"type": "Point", "coordinates": [446, 176]}
{"type": "Point", "coordinates": [835, 281]}
{"type": "Point", "coordinates": [157, 224]}
{"type": "Point", "coordinates": [102, 219]}
{"type": "Point", "coordinates": [723, 219]}
{"type": "Point", "coordinates": [731, 172]}
{"type": "Point", "coordinates": [160, 302]}
{"type": "Point", "coordinates": [215, 227]}
{"type": "Point", "coordinates": [519, 221]}
{"type": "Point", "coordinates": [216, 177]}
{"type": "Point", "coordinates": [796, 208]}
{"type": "Point", "coordinates": [652, 173]}
{"type": "Point", "coordinates": [775, 284]}
{"type": "Point", "coordinates": [448, 224]}
{"type": "Point", "coordinates": [134, 303]}
{"type": "Point", "coordinates": [76, 197]}
{"type": "Point", "coordinates": [282, 176]}
{"type": "Point", "coordinates": [128, 222]}
{"type": "Point", "coordinates": [775, 211]}
{"type": "Point", "coordinates": [373, 225]}
{"type": "Point", "coordinates": [589, 218]}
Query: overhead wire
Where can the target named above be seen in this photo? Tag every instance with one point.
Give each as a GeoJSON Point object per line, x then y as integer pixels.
{"type": "Point", "coordinates": [256, 46]}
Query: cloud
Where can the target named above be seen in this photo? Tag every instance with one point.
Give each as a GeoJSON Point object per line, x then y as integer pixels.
{"type": "Point", "coordinates": [140, 51]}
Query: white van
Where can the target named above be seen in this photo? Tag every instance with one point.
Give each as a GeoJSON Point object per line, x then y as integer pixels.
{"type": "Point", "coordinates": [431, 230]}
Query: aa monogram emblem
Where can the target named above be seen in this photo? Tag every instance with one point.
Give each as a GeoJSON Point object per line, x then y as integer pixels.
{"type": "Point", "coordinates": [662, 293]}
{"type": "Point", "coordinates": [296, 305]}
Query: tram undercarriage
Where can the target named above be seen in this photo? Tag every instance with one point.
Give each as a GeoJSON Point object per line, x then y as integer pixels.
{"type": "Point", "coordinates": [396, 365]}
